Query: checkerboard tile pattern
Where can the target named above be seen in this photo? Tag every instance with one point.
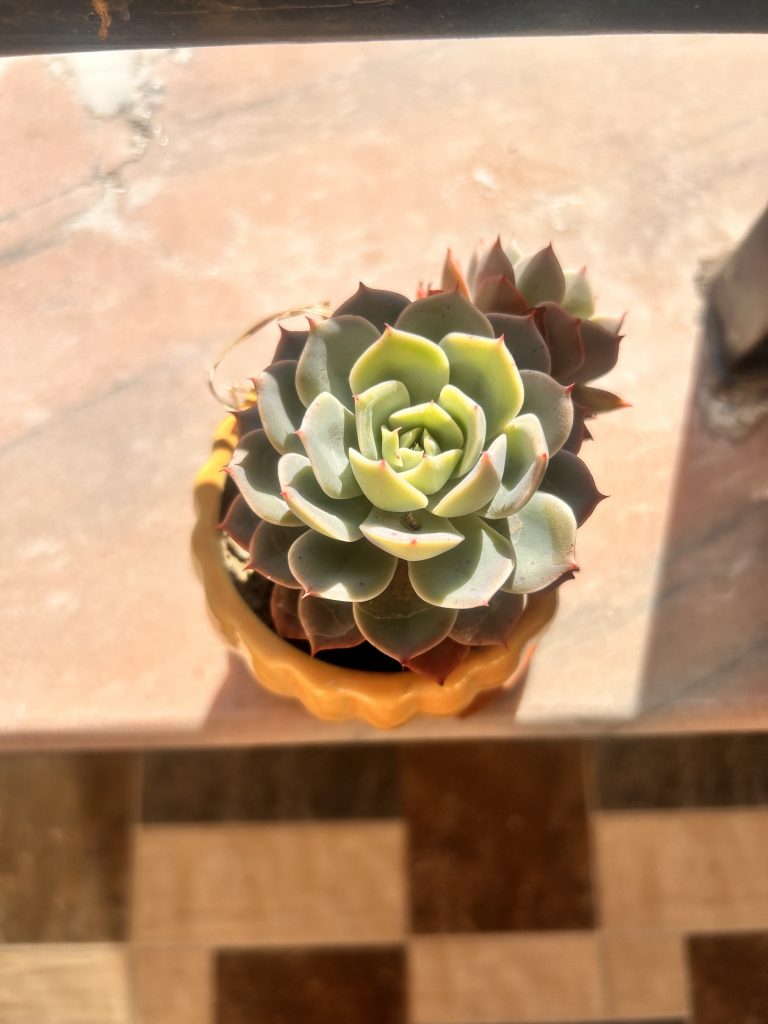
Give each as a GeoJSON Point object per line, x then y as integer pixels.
{"type": "Point", "coordinates": [514, 882]}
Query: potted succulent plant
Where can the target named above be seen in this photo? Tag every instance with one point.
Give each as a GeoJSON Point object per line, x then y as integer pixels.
{"type": "Point", "coordinates": [401, 491]}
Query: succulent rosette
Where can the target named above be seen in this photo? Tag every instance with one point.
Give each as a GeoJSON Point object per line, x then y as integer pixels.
{"type": "Point", "coordinates": [408, 471]}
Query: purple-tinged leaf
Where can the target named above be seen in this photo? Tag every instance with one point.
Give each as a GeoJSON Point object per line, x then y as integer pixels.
{"type": "Point", "coordinates": [375, 305]}
{"type": "Point", "coordinates": [328, 625]}
{"type": "Point", "coordinates": [567, 576]}
{"type": "Point", "coordinates": [439, 661]}
{"type": "Point", "coordinates": [597, 401]}
{"type": "Point", "coordinates": [496, 264]}
{"type": "Point", "coordinates": [601, 350]}
{"type": "Point", "coordinates": [247, 419]}
{"type": "Point", "coordinates": [579, 432]}
{"type": "Point", "coordinates": [240, 522]}
{"type": "Point", "coordinates": [284, 609]}
{"type": "Point", "coordinates": [290, 345]}
{"type": "Point", "coordinates": [561, 332]}
{"type": "Point", "coordinates": [499, 295]}
{"type": "Point", "coordinates": [540, 277]}
{"type": "Point", "coordinates": [269, 553]}
{"type": "Point", "coordinates": [490, 625]}
{"type": "Point", "coordinates": [568, 478]}
{"type": "Point", "coordinates": [523, 339]}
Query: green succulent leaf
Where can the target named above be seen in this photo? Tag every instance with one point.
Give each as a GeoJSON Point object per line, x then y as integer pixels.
{"type": "Point", "coordinates": [390, 447]}
{"type": "Point", "coordinates": [338, 571]}
{"type": "Point", "coordinates": [470, 574]}
{"type": "Point", "coordinates": [578, 298]}
{"type": "Point", "coordinates": [478, 487]}
{"type": "Point", "coordinates": [253, 467]}
{"type": "Point", "coordinates": [372, 411]}
{"type": "Point", "coordinates": [543, 533]}
{"type": "Point", "coordinates": [420, 364]}
{"type": "Point", "coordinates": [524, 467]}
{"type": "Point", "coordinates": [551, 404]}
{"type": "Point", "coordinates": [433, 471]}
{"type": "Point", "coordinates": [337, 518]}
{"type": "Point", "coordinates": [568, 478]}
{"type": "Point", "coordinates": [601, 351]}
{"type": "Point", "coordinates": [399, 623]}
{"type": "Point", "coordinates": [239, 522]}
{"type": "Point", "coordinates": [283, 607]}
{"type": "Point", "coordinates": [329, 625]}
{"type": "Point", "coordinates": [524, 340]}
{"type": "Point", "coordinates": [489, 625]}
{"type": "Point", "coordinates": [562, 333]}
{"type": "Point", "coordinates": [376, 305]}
{"type": "Point", "coordinates": [540, 277]}
{"type": "Point", "coordinates": [434, 418]}
{"type": "Point", "coordinates": [280, 408]}
{"type": "Point", "coordinates": [413, 536]}
{"type": "Point", "coordinates": [439, 661]}
{"type": "Point", "coordinates": [385, 488]}
{"type": "Point", "coordinates": [269, 552]}
{"type": "Point", "coordinates": [327, 433]}
{"type": "Point", "coordinates": [410, 457]}
{"type": "Point", "coordinates": [440, 314]}
{"type": "Point", "coordinates": [332, 348]}
{"type": "Point", "coordinates": [471, 419]}
{"type": "Point", "coordinates": [484, 370]}
{"type": "Point", "coordinates": [431, 446]}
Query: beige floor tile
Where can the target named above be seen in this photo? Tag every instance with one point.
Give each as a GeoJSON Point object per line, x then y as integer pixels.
{"type": "Point", "coordinates": [491, 978]}
{"type": "Point", "coordinates": [683, 869]}
{"type": "Point", "coordinates": [171, 985]}
{"type": "Point", "coordinates": [73, 984]}
{"type": "Point", "coordinates": [645, 974]}
{"type": "Point", "coordinates": [282, 883]}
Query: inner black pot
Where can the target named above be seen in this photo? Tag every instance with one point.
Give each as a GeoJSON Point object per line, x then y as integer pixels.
{"type": "Point", "coordinates": [256, 591]}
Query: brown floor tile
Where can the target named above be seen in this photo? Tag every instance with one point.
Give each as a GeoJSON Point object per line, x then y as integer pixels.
{"type": "Point", "coordinates": [289, 884]}
{"type": "Point", "coordinates": [64, 846]}
{"type": "Point", "coordinates": [74, 984]}
{"type": "Point", "coordinates": [492, 978]}
{"type": "Point", "coordinates": [645, 973]}
{"type": "Point", "coordinates": [354, 986]}
{"type": "Point", "coordinates": [682, 771]}
{"type": "Point", "coordinates": [497, 837]}
{"type": "Point", "coordinates": [729, 978]}
{"type": "Point", "coordinates": [272, 784]}
{"type": "Point", "coordinates": [171, 985]}
{"type": "Point", "coordinates": [685, 870]}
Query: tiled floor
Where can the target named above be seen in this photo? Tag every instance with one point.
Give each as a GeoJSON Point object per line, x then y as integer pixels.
{"type": "Point", "coordinates": [621, 880]}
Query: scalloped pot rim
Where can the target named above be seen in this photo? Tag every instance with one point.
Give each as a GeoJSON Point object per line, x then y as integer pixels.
{"type": "Point", "coordinates": [383, 699]}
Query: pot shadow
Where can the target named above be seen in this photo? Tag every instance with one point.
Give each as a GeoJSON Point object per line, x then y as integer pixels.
{"type": "Point", "coordinates": [707, 645]}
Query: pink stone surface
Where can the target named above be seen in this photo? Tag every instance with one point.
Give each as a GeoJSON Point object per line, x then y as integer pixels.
{"type": "Point", "coordinates": [154, 205]}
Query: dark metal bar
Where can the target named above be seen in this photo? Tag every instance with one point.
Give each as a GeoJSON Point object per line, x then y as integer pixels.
{"type": "Point", "coordinates": [49, 26]}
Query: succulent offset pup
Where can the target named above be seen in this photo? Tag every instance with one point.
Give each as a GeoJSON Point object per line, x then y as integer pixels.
{"type": "Point", "coordinates": [409, 470]}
